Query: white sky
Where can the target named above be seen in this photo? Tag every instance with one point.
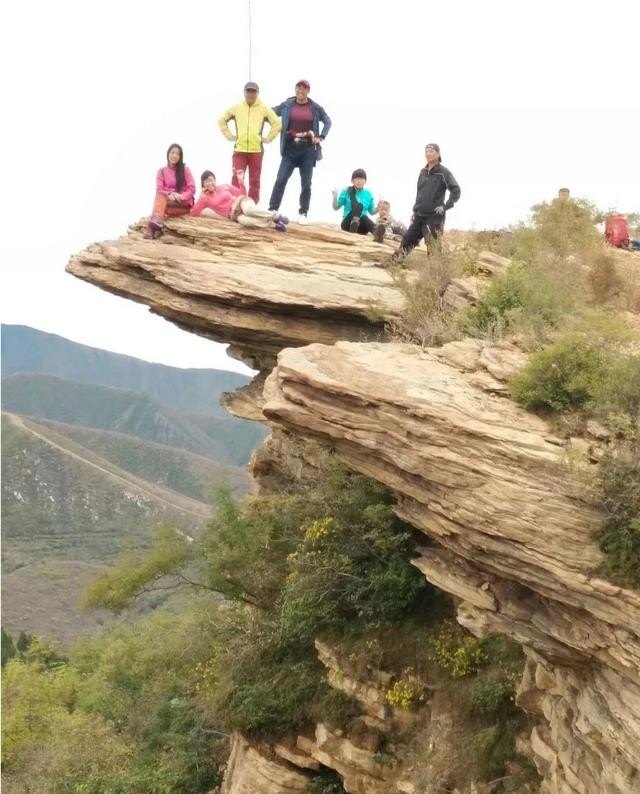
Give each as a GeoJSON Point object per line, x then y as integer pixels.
{"type": "Point", "coordinates": [523, 98]}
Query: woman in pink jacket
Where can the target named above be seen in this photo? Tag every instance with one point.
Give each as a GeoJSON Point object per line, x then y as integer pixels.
{"type": "Point", "coordinates": [175, 190]}
{"type": "Point", "coordinates": [229, 201]}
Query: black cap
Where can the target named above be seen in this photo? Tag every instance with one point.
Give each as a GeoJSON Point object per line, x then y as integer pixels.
{"type": "Point", "coordinates": [359, 173]}
{"type": "Point", "coordinates": [251, 86]}
{"type": "Point", "coordinates": [436, 148]}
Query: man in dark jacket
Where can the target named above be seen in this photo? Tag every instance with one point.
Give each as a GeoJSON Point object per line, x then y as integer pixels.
{"type": "Point", "coordinates": [430, 206]}
{"type": "Point", "coordinates": [300, 144]}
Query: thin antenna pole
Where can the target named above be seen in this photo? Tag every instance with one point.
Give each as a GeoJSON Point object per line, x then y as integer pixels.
{"type": "Point", "coordinates": [250, 39]}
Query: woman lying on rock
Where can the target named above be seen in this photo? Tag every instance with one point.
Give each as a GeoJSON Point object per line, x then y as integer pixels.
{"type": "Point", "coordinates": [229, 201]}
{"type": "Point", "coordinates": [175, 190]}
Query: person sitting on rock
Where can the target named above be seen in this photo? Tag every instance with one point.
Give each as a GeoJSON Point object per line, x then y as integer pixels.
{"type": "Point", "coordinates": [357, 203]}
{"type": "Point", "coordinates": [387, 227]}
{"type": "Point", "coordinates": [232, 202]}
{"type": "Point", "coordinates": [175, 189]}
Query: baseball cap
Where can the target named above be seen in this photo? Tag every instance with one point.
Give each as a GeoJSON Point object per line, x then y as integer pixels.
{"type": "Point", "coordinates": [305, 84]}
{"type": "Point", "coordinates": [251, 86]}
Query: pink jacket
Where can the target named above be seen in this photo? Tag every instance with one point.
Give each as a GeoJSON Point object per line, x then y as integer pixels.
{"type": "Point", "coordinates": [166, 183]}
{"type": "Point", "coordinates": [220, 201]}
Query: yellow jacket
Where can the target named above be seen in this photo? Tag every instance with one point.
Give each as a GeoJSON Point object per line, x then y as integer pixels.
{"type": "Point", "coordinates": [249, 121]}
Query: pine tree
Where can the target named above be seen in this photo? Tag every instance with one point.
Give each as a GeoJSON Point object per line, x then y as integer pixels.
{"type": "Point", "coordinates": [8, 647]}
{"type": "Point", "coordinates": [24, 640]}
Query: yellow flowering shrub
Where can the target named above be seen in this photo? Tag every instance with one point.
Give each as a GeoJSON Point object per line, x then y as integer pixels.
{"type": "Point", "coordinates": [403, 694]}
{"type": "Point", "coordinates": [319, 529]}
{"type": "Point", "coordinates": [459, 654]}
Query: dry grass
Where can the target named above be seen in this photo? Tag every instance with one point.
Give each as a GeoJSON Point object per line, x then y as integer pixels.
{"type": "Point", "coordinates": [427, 321]}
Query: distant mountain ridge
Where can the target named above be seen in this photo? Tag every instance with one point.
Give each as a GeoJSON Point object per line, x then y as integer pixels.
{"type": "Point", "coordinates": [98, 449]}
{"type": "Point", "coordinates": [104, 408]}
{"type": "Point", "coordinates": [26, 349]}
{"type": "Point", "coordinates": [48, 377]}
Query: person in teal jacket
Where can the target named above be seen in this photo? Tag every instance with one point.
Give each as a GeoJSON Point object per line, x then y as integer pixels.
{"type": "Point", "coordinates": [357, 203]}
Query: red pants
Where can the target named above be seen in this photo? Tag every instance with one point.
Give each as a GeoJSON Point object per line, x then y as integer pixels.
{"type": "Point", "coordinates": [252, 161]}
{"type": "Point", "coordinates": [165, 208]}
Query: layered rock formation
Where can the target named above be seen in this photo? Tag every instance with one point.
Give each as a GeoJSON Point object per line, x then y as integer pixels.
{"type": "Point", "coordinates": [258, 290]}
{"type": "Point", "coordinates": [485, 481]}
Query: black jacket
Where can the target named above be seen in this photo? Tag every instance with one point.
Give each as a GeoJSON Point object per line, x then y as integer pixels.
{"type": "Point", "coordinates": [432, 186]}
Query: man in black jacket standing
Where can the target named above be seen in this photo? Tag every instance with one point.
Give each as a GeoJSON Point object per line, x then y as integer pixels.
{"type": "Point", "coordinates": [430, 207]}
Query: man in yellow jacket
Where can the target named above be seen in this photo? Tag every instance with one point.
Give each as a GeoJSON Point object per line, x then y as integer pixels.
{"type": "Point", "coordinates": [249, 116]}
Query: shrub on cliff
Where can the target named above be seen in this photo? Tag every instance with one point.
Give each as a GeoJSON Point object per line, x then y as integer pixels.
{"type": "Point", "coordinates": [596, 370]}
{"type": "Point", "coordinates": [588, 366]}
{"type": "Point", "coordinates": [347, 566]}
{"type": "Point", "coordinates": [327, 557]}
{"type": "Point", "coordinates": [527, 298]}
{"type": "Point", "coordinates": [561, 268]}
{"type": "Point", "coordinates": [427, 320]}
{"type": "Point", "coordinates": [620, 487]}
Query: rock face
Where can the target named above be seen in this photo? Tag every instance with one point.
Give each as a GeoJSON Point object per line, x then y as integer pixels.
{"type": "Point", "coordinates": [250, 772]}
{"type": "Point", "coordinates": [259, 290]}
{"type": "Point", "coordinates": [486, 482]}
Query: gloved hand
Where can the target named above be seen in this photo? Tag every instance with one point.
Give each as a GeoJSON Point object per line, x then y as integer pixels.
{"type": "Point", "coordinates": [439, 210]}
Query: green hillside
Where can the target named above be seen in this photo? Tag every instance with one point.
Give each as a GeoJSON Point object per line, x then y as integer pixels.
{"type": "Point", "coordinates": [181, 471]}
{"type": "Point", "coordinates": [197, 391]}
{"type": "Point", "coordinates": [57, 503]}
{"type": "Point", "coordinates": [98, 450]}
{"type": "Point", "coordinates": [123, 411]}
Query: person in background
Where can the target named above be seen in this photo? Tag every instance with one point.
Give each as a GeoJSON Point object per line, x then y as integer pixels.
{"type": "Point", "coordinates": [175, 189]}
{"type": "Point", "coordinates": [564, 194]}
{"type": "Point", "coordinates": [387, 227]}
{"type": "Point", "coordinates": [357, 203]}
{"type": "Point", "coordinates": [232, 202]}
{"type": "Point", "coordinates": [430, 208]}
{"type": "Point", "coordinates": [300, 145]}
{"type": "Point", "coordinates": [249, 117]}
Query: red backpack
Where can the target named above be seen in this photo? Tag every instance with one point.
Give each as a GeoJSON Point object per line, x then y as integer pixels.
{"type": "Point", "coordinates": [616, 230]}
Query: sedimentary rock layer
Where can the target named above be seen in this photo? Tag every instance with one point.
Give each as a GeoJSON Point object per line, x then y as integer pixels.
{"type": "Point", "coordinates": [258, 290]}
{"type": "Point", "coordinates": [489, 484]}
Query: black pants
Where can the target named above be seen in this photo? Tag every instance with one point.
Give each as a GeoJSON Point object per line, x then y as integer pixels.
{"type": "Point", "coordinates": [366, 224]}
{"type": "Point", "coordinates": [296, 155]}
{"type": "Point", "coordinates": [423, 227]}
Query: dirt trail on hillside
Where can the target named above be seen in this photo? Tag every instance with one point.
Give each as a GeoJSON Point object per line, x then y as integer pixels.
{"type": "Point", "coordinates": [74, 450]}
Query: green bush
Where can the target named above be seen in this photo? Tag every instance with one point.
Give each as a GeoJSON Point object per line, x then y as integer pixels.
{"type": "Point", "coordinates": [561, 227]}
{"type": "Point", "coordinates": [619, 473]}
{"type": "Point", "coordinates": [493, 697]}
{"type": "Point", "coordinates": [617, 391]}
{"type": "Point", "coordinates": [561, 376]}
{"type": "Point", "coordinates": [326, 783]}
{"type": "Point", "coordinates": [494, 748]}
{"type": "Point", "coordinates": [339, 561]}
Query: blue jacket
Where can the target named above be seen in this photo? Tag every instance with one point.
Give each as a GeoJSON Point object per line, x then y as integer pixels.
{"type": "Point", "coordinates": [364, 197]}
{"type": "Point", "coordinates": [319, 115]}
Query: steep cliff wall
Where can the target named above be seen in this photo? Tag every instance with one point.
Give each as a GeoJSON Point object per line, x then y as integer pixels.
{"type": "Point", "coordinates": [485, 481]}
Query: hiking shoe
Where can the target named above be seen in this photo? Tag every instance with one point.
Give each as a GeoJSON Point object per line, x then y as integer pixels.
{"type": "Point", "coordinates": [354, 225]}
{"type": "Point", "coordinates": [282, 219]}
{"type": "Point", "coordinates": [398, 256]}
{"type": "Point", "coordinates": [149, 232]}
{"type": "Point", "coordinates": [157, 222]}
{"type": "Point", "coordinates": [280, 226]}
{"type": "Point", "coordinates": [379, 232]}
{"type": "Point", "coordinates": [302, 219]}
